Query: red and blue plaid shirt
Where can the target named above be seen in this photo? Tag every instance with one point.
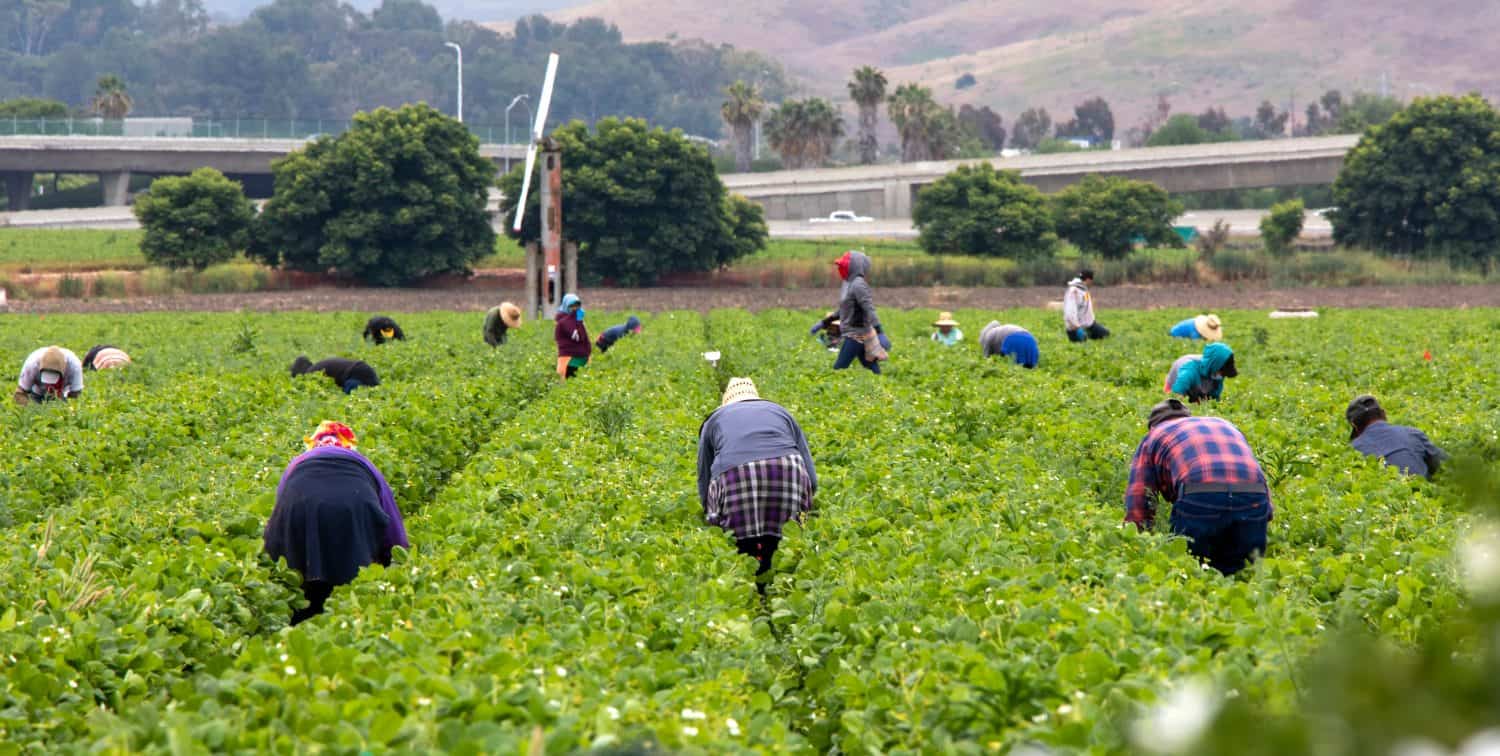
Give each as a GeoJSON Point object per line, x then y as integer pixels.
{"type": "Point", "coordinates": [1188, 450]}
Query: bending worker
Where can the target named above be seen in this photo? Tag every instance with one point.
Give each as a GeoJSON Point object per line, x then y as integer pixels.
{"type": "Point", "coordinates": [334, 515]}
{"type": "Point", "coordinates": [346, 374]}
{"type": "Point", "coordinates": [1202, 377]}
{"type": "Point", "coordinates": [1010, 341]}
{"type": "Point", "coordinates": [1205, 468]}
{"type": "Point", "coordinates": [630, 327]}
{"type": "Point", "coordinates": [498, 321]}
{"type": "Point", "coordinates": [573, 347]}
{"type": "Point", "coordinates": [104, 357]}
{"type": "Point", "coordinates": [381, 329]}
{"type": "Point", "coordinates": [754, 472]}
{"type": "Point", "coordinates": [1402, 447]}
{"type": "Point", "coordinates": [49, 373]}
{"type": "Point", "coordinates": [1205, 327]}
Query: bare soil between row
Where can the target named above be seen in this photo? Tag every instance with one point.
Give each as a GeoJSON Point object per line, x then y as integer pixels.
{"type": "Point", "coordinates": [1220, 297]}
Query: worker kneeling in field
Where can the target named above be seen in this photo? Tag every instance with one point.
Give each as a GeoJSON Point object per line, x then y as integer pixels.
{"type": "Point", "coordinates": [346, 374]}
{"type": "Point", "coordinates": [498, 321]}
{"type": "Point", "coordinates": [381, 329]}
{"type": "Point", "coordinates": [1205, 468]}
{"type": "Point", "coordinates": [1202, 377]}
{"type": "Point", "coordinates": [105, 357]}
{"type": "Point", "coordinates": [947, 332]}
{"type": "Point", "coordinates": [631, 326]}
{"type": "Point", "coordinates": [1010, 341]}
{"type": "Point", "coordinates": [1205, 327]}
{"type": "Point", "coordinates": [1078, 309]}
{"type": "Point", "coordinates": [49, 373]}
{"type": "Point", "coordinates": [1400, 446]}
{"type": "Point", "coordinates": [754, 472]}
{"type": "Point", "coordinates": [573, 347]}
{"type": "Point", "coordinates": [334, 515]}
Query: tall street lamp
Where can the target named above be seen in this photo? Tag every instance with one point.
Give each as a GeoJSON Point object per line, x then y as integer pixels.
{"type": "Point", "coordinates": [460, 52]}
{"type": "Point", "coordinates": [518, 99]}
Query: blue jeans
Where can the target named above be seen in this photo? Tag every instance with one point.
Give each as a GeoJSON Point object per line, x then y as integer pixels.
{"type": "Point", "coordinates": [850, 350]}
{"type": "Point", "coordinates": [1226, 530]}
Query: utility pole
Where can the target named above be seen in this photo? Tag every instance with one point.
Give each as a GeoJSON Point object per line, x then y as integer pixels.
{"type": "Point", "coordinates": [460, 52]}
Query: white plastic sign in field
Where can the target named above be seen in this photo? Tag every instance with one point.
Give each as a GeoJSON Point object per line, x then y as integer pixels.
{"type": "Point", "coordinates": [536, 136]}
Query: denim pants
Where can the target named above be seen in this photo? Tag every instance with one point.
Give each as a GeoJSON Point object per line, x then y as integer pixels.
{"type": "Point", "coordinates": [1227, 530]}
{"type": "Point", "coordinates": [850, 350]}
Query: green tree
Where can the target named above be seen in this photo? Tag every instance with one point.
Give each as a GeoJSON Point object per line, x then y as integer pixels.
{"type": "Point", "coordinates": [110, 98]}
{"type": "Point", "coordinates": [928, 130]}
{"type": "Point", "coordinates": [867, 89]}
{"type": "Point", "coordinates": [1364, 111]}
{"type": "Point", "coordinates": [399, 196]}
{"type": "Point", "coordinates": [1183, 128]}
{"type": "Point", "coordinates": [640, 202]}
{"type": "Point", "coordinates": [1104, 214]}
{"type": "Point", "coordinates": [33, 107]}
{"type": "Point", "coordinates": [741, 109]}
{"type": "Point", "coordinates": [977, 210]}
{"type": "Point", "coordinates": [194, 221]}
{"type": "Point", "coordinates": [1428, 180]}
{"type": "Point", "coordinates": [1280, 227]}
{"type": "Point", "coordinates": [1031, 128]}
{"type": "Point", "coordinates": [1092, 120]}
{"type": "Point", "coordinates": [804, 132]}
{"type": "Point", "coordinates": [983, 124]}
{"type": "Point", "coordinates": [406, 16]}
{"type": "Point", "coordinates": [1268, 123]}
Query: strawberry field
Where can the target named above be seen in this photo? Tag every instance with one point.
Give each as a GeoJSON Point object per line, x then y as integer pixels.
{"type": "Point", "coordinates": [965, 585]}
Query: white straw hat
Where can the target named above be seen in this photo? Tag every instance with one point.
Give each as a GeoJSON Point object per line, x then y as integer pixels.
{"type": "Point", "coordinates": [1208, 327]}
{"type": "Point", "coordinates": [738, 390]}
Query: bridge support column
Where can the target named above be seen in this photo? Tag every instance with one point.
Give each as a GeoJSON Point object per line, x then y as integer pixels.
{"type": "Point", "coordinates": [18, 190]}
{"type": "Point", "coordinates": [116, 187]}
{"type": "Point", "coordinates": [897, 199]}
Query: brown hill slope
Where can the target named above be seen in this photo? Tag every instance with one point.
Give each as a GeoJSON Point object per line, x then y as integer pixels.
{"type": "Point", "coordinates": [1022, 52]}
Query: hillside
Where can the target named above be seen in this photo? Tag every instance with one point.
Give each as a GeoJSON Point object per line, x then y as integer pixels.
{"type": "Point", "coordinates": [1022, 53]}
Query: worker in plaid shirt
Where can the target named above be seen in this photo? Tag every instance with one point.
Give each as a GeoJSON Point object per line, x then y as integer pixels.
{"type": "Point", "coordinates": [1204, 466]}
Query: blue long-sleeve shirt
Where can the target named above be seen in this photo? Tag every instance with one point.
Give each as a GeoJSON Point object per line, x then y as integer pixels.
{"type": "Point", "coordinates": [748, 431]}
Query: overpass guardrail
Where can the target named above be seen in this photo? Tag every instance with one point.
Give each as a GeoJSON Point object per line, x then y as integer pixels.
{"type": "Point", "coordinates": [214, 128]}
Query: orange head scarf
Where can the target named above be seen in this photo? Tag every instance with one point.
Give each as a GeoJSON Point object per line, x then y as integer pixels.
{"type": "Point", "coordinates": [331, 433]}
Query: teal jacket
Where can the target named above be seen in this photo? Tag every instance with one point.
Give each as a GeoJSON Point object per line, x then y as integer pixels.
{"type": "Point", "coordinates": [1203, 372]}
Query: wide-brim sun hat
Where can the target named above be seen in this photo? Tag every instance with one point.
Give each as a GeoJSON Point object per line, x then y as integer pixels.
{"type": "Point", "coordinates": [1209, 327]}
{"type": "Point", "coordinates": [510, 315]}
{"type": "Point", "coordinates": [110, 358]}
{"type": "Point", "coordinates": [739, 390]}
{"type": "Point", "coordinates": [945, 319]}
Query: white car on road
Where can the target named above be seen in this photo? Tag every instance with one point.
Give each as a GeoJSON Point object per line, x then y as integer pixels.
{"type": "Point", "coordinates": [842, 216]}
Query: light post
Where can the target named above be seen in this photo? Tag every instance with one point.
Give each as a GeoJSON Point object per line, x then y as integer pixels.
{"type": "Point", "coordinates": [520, 98]}
{"type": "Point", "coordinates": [460, 52]}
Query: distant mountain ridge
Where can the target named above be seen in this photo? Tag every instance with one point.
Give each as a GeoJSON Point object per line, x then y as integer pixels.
{"type": "Point", "coordinates": [471, 10]}
{"type": "Point", "coordinates": [1199, 53]}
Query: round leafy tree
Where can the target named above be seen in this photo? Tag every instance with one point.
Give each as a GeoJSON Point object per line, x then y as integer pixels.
{"type": "Point", "coordinates": [640, 202]}
{"type": "Point", "coordinates": [1105, 215]}
{"type": "Point", "coordinates": [399, 196]}
{"type": "Point", "coordinates": [1429, 179]}
{"type": "Point", "coordinates": [194, 221]}
{"type": "Point", "coordinates": [977, 210]}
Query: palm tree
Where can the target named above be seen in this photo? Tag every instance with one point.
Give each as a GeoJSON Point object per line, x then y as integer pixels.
{"type": "Point", "coordinates": [110, 98]}
{"type": "Point", "coordinates": [741, 111]}
{"type": "Point", "coordinates": [804, 132]}
{"type": "Point", "coordinates": [916, 116]}
{"type": "Point", "coordinates": [867, 89]}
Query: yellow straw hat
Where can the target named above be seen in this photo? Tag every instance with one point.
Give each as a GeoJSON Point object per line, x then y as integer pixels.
{"type": "Point", "coordinates": [945, 319]}
{"type": "Point", "coordinates": [510, 314]}
{"type": "Point", "coordinates": [1208, 327]}
{"type": "Point", "coordinates": [738, 390]}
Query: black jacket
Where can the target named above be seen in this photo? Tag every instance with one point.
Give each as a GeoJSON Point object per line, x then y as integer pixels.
{"type": "Point", "coordinates": [339, 369]}
{"type": "Point", "coordinates": [375, 325]}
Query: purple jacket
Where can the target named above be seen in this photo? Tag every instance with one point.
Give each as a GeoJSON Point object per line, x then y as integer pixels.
{"type": "Point", "coordinates": [571, 336]}
{"type": "Point", "coordinates": [395, 531]}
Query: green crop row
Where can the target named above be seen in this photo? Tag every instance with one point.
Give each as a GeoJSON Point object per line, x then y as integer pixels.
{"type": "Point", "coordinates": [965, 585]}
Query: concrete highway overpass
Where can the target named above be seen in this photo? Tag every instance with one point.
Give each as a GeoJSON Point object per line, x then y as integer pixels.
{"type": "Point", "coordinates": [114, 159]}
{"type": "Point", "coordinates": [888, 191]}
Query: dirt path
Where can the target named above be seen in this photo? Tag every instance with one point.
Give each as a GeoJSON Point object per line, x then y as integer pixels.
{"type": "Point", "coordinates": [655, 300]}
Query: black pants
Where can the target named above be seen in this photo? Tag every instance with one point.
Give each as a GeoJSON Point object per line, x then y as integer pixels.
{"type": "Point", "coordinates": [762, 548]}
{"type": "Point", "coordinates": [1094, 331]}
{"type": "Point", "coordinates": [316, 592]}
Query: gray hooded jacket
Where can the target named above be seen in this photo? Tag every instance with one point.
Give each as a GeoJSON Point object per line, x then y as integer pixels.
{"type": "Point", "coordinates": [857, 315]}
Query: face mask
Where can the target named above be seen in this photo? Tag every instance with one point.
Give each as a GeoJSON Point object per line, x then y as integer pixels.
{"type": "Point", "coordinates": [578, 313]}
